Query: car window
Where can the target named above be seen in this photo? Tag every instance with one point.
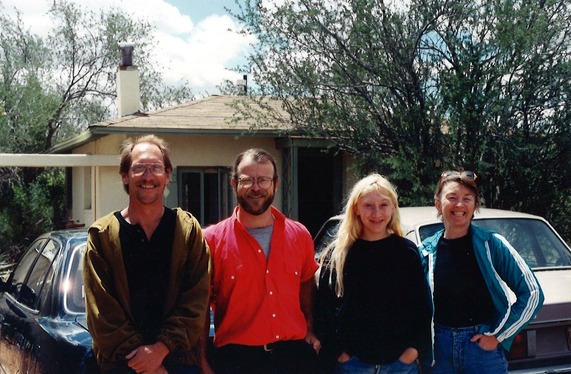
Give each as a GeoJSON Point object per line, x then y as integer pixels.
{"type": "Point", "coordinates": [74, 298]}
{"type": "Point", "coordinates": [532, 238]}
{"type": "Point", "coordinates": [32, 272]}
{"type": "Point", "coordinates": [427, 231]}
{"type": "Point", "coordinates": [37, 287]}
{"type": "Point", "coordinates": [20, 273]}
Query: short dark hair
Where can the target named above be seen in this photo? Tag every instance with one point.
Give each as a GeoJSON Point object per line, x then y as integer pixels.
{"type": "Point", "coordinates": [463, 179]}
{"type": "Point", "coordinates": [258, 155]}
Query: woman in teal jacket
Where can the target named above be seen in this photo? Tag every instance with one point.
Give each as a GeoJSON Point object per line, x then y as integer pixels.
{"type": "Point", "coordinates": [471, 272]}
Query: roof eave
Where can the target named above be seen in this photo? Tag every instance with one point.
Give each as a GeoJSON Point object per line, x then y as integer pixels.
{"type": "Point", "coordinates": [67, 145]}
{"type": "Point", "coordinates": [96, 132]}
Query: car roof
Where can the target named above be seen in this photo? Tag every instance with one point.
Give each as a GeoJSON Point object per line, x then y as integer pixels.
{"type": "Point", "coordinates": [67, 235]}
{"type": "Point", "coordinates": [413, 217]}
{"type": "Point", "coordinates": [428, 214]}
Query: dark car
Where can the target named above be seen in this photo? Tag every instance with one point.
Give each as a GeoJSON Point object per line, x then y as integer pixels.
{"type": "Point", "coordinates": [544, 346]}
{"type": "Point", "coordinates": [42, 313]}
{"type": "Point", "coordinates": [43, 328]}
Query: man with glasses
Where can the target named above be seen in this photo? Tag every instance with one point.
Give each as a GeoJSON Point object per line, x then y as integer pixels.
{"type": "Point", "coordinates": [262, 279]}
{"type": "Point", "coordinates": [146, 273]}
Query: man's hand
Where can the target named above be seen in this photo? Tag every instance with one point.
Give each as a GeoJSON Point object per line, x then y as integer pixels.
{"type": "Point", "coordinates": [148, 358]}
{"type": "Point", "coordinates": [487, 342]}
{"type": "Point", "coordinates": [312, 340]}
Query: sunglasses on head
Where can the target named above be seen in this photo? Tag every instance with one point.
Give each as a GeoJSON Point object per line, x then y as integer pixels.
{"type": "Point", "coordinates": [462, 174]}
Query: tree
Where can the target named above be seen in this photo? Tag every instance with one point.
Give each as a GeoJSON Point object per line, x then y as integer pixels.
{"type": "Point", "coordinates": [412, 89]}
{"type": "Point", "coordinates": [58, 84]}
{"type": "Point", "coordinates": [52, 87]}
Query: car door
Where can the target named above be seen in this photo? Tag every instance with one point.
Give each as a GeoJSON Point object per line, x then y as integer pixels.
{"type": "Point", "coordinates": [28, 291]}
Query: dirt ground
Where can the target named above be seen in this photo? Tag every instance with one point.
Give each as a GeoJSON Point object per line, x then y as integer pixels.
{"type": "Point", "coordinates": [10, 362]}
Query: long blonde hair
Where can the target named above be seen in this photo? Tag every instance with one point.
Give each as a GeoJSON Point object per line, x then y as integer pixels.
{"type": "Point", "coordinates": [350, 227]}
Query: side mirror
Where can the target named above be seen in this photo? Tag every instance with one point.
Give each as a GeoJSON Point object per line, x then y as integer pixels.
{"type": "Point", "coordinates": [27, 296]}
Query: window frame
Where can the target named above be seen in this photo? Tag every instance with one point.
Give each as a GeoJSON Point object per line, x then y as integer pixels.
{"type": "Point", "coordinates": [224, 195]}
{"type": "Point", "coordinates": [21, 292]}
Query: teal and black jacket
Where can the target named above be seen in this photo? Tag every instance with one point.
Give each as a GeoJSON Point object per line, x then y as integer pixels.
{"type": "Point", "coordinates": [504, 270]}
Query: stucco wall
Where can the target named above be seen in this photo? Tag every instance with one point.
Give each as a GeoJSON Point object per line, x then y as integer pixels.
{"type": "Point", "coordinates": [98, 190]}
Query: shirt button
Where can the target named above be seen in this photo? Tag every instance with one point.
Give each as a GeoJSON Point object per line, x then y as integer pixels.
{"type": "Point", "coordinates": [274, 315]}
{"type": "Point", "coordinates": [271, 292]}
{"type": "Point", "coordinates": [232, 277]}
{"type": "Point", "coordinates": [259, 251]}
{"type": "Point", "coordinates": [296, 273]}
{"type": "Point", "coordinates": [267, 272]}
{"type": "Point", "coordinates": [277, 336]}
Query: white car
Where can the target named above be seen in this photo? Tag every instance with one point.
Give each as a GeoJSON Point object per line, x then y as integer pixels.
{"type": "Point", "coordinates": [544, 346]}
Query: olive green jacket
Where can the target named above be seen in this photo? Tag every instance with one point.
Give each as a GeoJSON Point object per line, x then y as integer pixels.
{"type": "Point", "coordinates": [108, 308]}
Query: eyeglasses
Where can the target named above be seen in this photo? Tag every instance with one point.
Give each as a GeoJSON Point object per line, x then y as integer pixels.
{"type": "Point", "coordinates": [155, 168]}
{"type": "Point", "coordinates": [263, 182]}
{"type": "Point", "coordinates": [462, 174]}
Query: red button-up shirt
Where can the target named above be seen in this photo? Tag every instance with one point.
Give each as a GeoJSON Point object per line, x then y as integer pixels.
{"type": "Point", "coordinates": [255, 300]}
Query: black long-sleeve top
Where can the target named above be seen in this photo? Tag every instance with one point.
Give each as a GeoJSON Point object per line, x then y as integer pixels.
{"type": "Point", "coordinates": [386, 306]}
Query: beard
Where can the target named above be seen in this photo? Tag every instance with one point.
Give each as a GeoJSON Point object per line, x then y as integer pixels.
{"type": "Point", "coordinates": [257, 206]}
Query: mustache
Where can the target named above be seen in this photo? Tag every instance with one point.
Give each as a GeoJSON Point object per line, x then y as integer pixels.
{"type": "Point", "coordinates": [257, 194]}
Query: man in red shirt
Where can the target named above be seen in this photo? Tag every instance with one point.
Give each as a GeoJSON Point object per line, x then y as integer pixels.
{"type": "Point", "coordinates": [262, 279]}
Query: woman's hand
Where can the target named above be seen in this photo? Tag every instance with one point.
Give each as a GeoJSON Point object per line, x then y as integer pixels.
{"type": "Point", "coordinates": [409, 355]}
{"type": "Point", "coordinates": [343, 357]}
{"type": "Point", "coordinates": [486, 342]}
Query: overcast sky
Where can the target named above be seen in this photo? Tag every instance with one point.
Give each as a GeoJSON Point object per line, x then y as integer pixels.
{"type": "Point", "coordinates": [197, 38]}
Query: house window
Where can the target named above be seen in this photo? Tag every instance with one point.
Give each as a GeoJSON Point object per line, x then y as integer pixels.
{"type": "Point", "coordinates": [206, 193]}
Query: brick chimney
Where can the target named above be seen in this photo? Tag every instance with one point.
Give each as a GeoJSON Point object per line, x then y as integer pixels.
{"type": "Point", "coordinates": [128, 95]}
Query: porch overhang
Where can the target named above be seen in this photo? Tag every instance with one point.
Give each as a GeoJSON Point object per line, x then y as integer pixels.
{"type": "Point", "coordinates": [56, 160]}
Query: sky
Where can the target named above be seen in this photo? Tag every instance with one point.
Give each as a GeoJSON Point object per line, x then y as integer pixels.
{"type": "Point", "coordinates": [197, 38]}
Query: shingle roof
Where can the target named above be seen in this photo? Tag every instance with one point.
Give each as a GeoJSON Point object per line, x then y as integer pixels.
{"type": "Point", "coordinates": [214, 115]}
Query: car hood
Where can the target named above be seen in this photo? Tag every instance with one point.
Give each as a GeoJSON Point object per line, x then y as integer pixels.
{"type": "Point", "coordinates": [555, 285]}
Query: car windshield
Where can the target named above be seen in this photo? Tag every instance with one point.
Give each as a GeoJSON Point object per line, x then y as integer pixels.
{"type": "Point", "coordinates": [532, 238]}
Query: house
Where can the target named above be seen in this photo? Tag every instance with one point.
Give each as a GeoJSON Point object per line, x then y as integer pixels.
{"type": "Point", "coordinates": [204, 141]}
{"type": "Point", "coordinates": [204, 144]}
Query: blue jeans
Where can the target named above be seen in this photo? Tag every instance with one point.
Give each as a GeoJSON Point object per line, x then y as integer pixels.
{"type": "Point", "coordinates": [356, 366]}
{"type": "Point", "coordinates": [454, 353]}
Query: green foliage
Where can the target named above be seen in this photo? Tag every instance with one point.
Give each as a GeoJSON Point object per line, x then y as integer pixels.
{"type": "Point", "coordinates": [56, 85]}
{"type": "Point", "coordinates": [52, 87]}
{"type": "Point", "coordinates": [559, 215]}
{"type": "Point", "coordinates": [412, 89]}
{"type": "Point", "coordinates": [31, 210]}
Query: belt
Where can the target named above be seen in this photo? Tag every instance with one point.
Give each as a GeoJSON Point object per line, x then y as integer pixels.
{"type": "Point", "coordinates": [269, 347]}
{"type": "Point", "coordinates": [282, 344]}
